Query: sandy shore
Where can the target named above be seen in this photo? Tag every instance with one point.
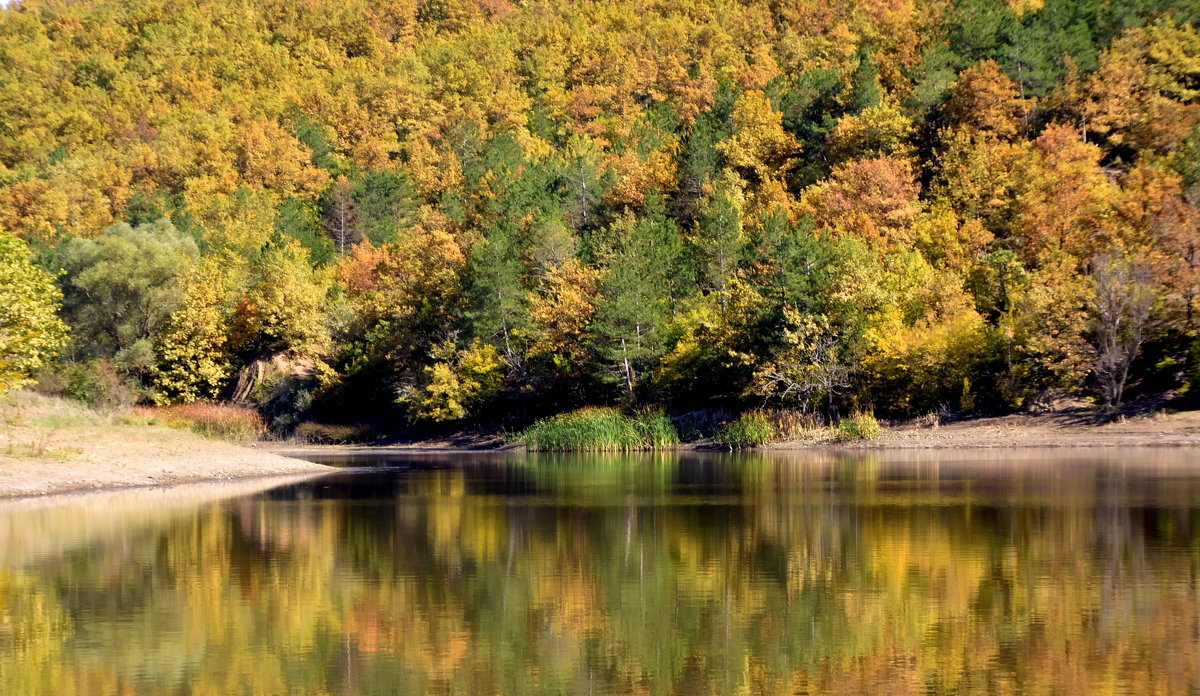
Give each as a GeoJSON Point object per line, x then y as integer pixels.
{"type": "Point", "coordinates": [1056, 430]}
{"type": "Point", "coordinates": [121, 459]}
{"type": "Point", "coordinates": [55, 447]}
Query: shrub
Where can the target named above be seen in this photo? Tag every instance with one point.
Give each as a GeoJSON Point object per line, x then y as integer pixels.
{"type": "Point", "coordinates": [459, 381]}
{"type": "Point", "coordinates": [751, 429]}
{"type": "Point", "coordinates": [96, 383]}
{"type": "Point", "coordinates": [791, 424]}
{"type": "Point", "coordinates": [329, 434]}
{"type": "Point", "coordinates": [859, 426]}
{"type": "Point", "coordinates": [224, 421]}
{"type": "Point", "coordinates": [600, 430]}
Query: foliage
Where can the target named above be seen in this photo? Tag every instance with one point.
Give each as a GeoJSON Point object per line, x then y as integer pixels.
{"type": "Point", "coordinates": [121, 288]}
{"type": "Point", "coordinates": [808, 368]}
{"type": "Point", "coordinates": [860, 425]}
{"type": "Point", "coordinates": [193, 361]}
{"type": "Point", "coordinates": [700, 204]}
{"type": "Point", "coordinates": [31, 334]}
{"type": "Point", "coordinates": [96, 383]}
{"type": "Point", "coordinates": [283, 307]}
{"type": "Point", "coordinates": [459, 381]}
{"type": "Point", "coordinates": [595, 429]}
{"type": "Point", "coordinates": [750, 429]}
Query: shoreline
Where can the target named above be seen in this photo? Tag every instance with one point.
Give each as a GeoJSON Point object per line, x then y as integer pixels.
{"type": "Point", "coordinates": [50, 446]}
{"type": "Point", "coordinates": [880, 445]}
{"type": "Point", "coordinates": [223, 464]}
{"type": "Point", "coordinates": [1059, 430]}
{"type": "Point", "coordinates": [1056, 430]}
{"type": "Point", "coordinates": [60, 452]}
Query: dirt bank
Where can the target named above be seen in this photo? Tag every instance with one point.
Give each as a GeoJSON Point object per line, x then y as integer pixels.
{"type": "Point", "coordinates": [53, 446]}
{"type": "Point", "coordinates": [1081, 428]}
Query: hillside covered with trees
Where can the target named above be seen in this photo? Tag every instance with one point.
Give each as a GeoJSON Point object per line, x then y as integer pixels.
{"type": "Point", "coordinates": [414, 211]}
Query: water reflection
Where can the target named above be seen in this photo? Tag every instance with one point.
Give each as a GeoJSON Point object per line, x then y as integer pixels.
{"type": "Point", "coordinates": [672, 574]}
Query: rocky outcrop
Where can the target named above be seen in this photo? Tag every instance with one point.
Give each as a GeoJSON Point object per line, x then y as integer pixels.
{"type": "Point", "coordinates": [255, 381]}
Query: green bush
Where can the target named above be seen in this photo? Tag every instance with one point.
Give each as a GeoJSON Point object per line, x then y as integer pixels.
{"type": "Point", "coordinates": [600, 430]}
{"type": "Point", "coordinates": [751, 429]}
{"type": "Point", "coordinates": [96, 383]}
{"type": "Point", "coordinates": [859, 426]}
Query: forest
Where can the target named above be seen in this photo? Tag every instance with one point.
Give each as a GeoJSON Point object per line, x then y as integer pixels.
{"type": "Point", "coordinates": [479, 212]}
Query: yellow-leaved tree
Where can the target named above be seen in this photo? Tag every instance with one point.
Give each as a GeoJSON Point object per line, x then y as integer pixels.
{"type": "Point", "coordinates": [284, 308]}
{"type": "Point", "coordinates": [559, 311]}
{"type": "Point", "coordinates": [759, 145]}
{"type": "Point", "coordinates": [30, 331]}
{"type": "Point", "coordinates": [193, 356]}
{"type": "Point", "coordinates": [460, 379]}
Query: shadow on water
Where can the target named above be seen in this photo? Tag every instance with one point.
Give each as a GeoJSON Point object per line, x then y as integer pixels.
{"type": "Point", "coordinates": [677, 573]}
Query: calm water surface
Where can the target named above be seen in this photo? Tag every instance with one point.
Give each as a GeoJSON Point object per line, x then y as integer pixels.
{"type": "Point", "coordinates": [936, 573]}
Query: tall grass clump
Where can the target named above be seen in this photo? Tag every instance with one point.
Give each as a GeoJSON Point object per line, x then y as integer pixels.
{"type": "Point", "coordinates": [751, 429]}
{"type": "Point", "coordinates": [222, 421]}
{"type": "Point", "coordinates": [859, 426]}
{"type": "Point", "coordinates": [600, 430]}
{"type": "Point", "coordinates": [656, 430]}
{"type": "Point", "coordinates": [793, 425]}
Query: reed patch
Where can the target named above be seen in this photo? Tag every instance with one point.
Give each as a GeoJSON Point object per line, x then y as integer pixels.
{"type": "Point", "coordinates": [601, 430]}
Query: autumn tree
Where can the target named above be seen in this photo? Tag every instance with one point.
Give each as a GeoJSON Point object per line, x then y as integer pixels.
{"type": "Point", "coordinates": [1141, 94]}
{"type": "Point", "coordinates": [283, 307]}
{"type": "Point", "coordinates": [456, 382]}
{"type": "Point", "coordinates": [193, 352]}
{"type": "Point", "coordinates": [874, 200]}
{"type": "Point", "coordinates": [561, 308]}
{"type": "Point", "coordinates": [881, 130]}
{"type": "Point", "coordinates": [759, 146]}
{"type": "Point", "coordinates": [1065, 197]}
{"type": "Point", "coordinates": [1043, 341]}
{"type": "Point", "coordinates": [1124, 295]}
{"type": "Point", "coordinates": [31, 334]}
{"type": "Point", "coordinates": [808, 368]}
{"type": "Point", "coordinates": [987, 100]}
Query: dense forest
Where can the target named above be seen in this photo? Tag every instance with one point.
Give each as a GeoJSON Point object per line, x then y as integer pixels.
{"type": "Point", "coordinates": [420, 211]}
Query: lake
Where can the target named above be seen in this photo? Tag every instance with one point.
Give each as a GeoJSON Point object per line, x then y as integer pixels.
{"type": "Point", "coordinates": [1018, 572]}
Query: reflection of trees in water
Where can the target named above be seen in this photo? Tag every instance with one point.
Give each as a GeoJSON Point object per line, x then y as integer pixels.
{"type": "Point", "coordinates": [679, 574]}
